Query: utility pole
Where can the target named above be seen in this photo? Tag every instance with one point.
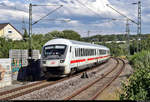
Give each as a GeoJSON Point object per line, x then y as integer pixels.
{"type": "Point", "coordinates": [88, 34]}
{"type": "Point", "coordinates": [30, 26]}
{"type": "Point", "coordinates": [127, 25]}
{"type": "Point", "coordinates": [23, 26]}
{"type": "Point", "coordinates": [128, 36]}
{"type": "Point", "coordinates": [30, 31]}
{"type": "Point", "coordinates": [139, 27]}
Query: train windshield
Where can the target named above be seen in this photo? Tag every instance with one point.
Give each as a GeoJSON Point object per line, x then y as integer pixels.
{"type": "Point", "coordinates": [54, 50]}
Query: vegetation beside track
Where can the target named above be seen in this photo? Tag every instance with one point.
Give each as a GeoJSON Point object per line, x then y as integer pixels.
{"type": "Point", "coordinates": [137, 86]}
{"type": "Point", "coordinates": [38, 40]}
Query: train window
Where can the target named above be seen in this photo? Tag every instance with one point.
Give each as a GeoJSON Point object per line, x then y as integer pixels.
{"type": "Point", "coordinates": [75, 52]}
{"type": "Point", "coordinates": [89, 52]}
{"type": "Point", "coordinates": [79, 52]}
{"type": "Point", "coordinates": [93, 52]}
{"type": "Point", "coordinates": [54, 50]}
{"type": "Point", "coordinates": [70, 48]}
{"type": "Point", "coordinates": [101, 52]}
{"type": "Point", "coordinates": [86, 52]}
{"type": "Point", "coordinates": [83, 52]}
{"type": "Point", "coordinates": [104, 51]}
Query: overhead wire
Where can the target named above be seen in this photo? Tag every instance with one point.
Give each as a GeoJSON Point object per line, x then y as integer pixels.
{"type": "Point", "coordinates": [92, 10]}
{"type": "Point", "coordinates": [47, 15]}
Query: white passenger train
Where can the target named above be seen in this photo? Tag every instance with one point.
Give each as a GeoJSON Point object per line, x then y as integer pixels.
{"type": "Point", "coordinates": [61, 57]}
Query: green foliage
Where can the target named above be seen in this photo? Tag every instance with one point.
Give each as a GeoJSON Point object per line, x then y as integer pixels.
{"type": "Point", "coordinates": [25, 35]}
{"type": "Point", "coordinates": [116, 49]}
{"type": "Point", "coordinates": [138, 85]}
{"type": "Point", "coordinates": [70, 34]}
{"type": "Point", "coordinates": [5, 45]}
{"type": "Point", "coordinates": [38, 40]}
{"type": "Point", "coordinates": [56, 34]}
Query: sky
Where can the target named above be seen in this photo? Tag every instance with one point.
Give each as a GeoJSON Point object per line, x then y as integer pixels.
{"type": "Point", "coordinates": [78, 15]}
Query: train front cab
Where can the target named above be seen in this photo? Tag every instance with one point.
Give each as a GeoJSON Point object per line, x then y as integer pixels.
{"type": "Point", "coordinates": [54, 60]}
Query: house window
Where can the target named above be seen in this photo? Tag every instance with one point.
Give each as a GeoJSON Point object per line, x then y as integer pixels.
{"type": "Point", "coordinates": [9, 31]}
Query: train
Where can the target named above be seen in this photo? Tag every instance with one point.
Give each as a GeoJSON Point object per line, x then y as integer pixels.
{"type": "Point", "coordinates": [62, 57]}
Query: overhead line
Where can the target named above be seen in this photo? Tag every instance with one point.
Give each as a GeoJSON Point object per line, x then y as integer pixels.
{"type": "Point", "coordinates": [11, 7]}
{"type": "Point", "coordinates": [46, 15]}
{"type": "Point", "coordinates": [91, 10]}
{"type": "Point", "coordinates": [121, 14]}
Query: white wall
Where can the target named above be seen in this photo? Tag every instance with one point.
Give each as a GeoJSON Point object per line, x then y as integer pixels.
{"type": "Point", "coordinates": [13, 34]}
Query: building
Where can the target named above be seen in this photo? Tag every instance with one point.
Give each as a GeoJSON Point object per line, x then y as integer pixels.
{"type": "Point", "coordinates": [10, 32]}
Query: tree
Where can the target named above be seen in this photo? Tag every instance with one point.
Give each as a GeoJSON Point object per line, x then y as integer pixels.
{"type": "Point", "coordinates": [25, 35]}
{"type": "Point", "coordinates": [70, 34]}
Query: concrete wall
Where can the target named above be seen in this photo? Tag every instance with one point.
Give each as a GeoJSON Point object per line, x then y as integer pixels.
{"type": "Point", "coordinates": [5, 69]}
{"type": "Point", "coordinates": [20, 66]}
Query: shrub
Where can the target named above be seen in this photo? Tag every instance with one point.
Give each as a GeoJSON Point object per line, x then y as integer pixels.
{"type": "Point", "coordinates": [138, 85]}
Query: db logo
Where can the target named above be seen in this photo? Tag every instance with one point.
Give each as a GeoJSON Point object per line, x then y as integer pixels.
{"type": "Point", "coordinates": [52, 62]}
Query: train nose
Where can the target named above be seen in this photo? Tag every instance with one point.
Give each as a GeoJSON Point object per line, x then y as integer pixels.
{"type": "Point", "coordinates": [53, 63]}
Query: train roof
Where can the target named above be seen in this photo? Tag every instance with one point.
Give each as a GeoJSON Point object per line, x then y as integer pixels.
{"type": "Point", "coordinates": [67, 41]}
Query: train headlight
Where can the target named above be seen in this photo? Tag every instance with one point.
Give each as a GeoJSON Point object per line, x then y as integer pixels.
{"type": "Point", "coordinates": [62, 61]}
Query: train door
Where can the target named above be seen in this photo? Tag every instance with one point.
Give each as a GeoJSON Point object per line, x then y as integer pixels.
{"type": "Point", "coordinates": [72, 57]}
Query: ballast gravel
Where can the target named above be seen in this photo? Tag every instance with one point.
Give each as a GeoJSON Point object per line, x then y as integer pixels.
{"type": "Point", "coordinates": [65, 88]}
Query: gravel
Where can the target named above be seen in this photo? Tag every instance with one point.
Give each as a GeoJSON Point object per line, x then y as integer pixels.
{"type": "Point", "coordinates": [60, 90]}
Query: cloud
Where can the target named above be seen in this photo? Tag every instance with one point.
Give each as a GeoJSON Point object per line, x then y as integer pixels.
{"type": "Point", "coordinates": [84, 14]}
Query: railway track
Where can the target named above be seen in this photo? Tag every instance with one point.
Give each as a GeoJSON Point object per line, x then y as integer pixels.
{"type": "Point", "coordinates": [87, 91]}
{"type": "Point", "coordinates": [16, 92]}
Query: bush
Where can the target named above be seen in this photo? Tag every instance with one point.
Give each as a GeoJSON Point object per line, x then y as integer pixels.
{"type": "Point", "coordinates": [138, 85]}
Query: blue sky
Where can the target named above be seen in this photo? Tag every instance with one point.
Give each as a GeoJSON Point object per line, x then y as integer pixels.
{"type": "Point", "coordinates": [92, 15]}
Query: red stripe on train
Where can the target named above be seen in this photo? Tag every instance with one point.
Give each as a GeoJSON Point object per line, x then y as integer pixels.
{"type": "Point", "coordinates": [96, 58]}
{"type": "Point", "coordinates": [89, 59]}
{"type": "Point", "coordinates": [76, 61]}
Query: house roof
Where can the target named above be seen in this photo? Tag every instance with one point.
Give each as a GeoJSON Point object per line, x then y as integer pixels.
{"type": "Point", "coordinates": [2, 25]}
